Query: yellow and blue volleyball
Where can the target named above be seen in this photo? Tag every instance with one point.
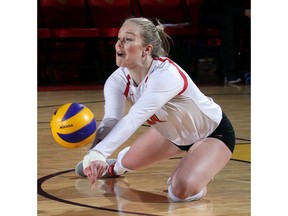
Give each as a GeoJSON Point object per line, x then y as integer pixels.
{"type": "Point", "coordinates": [73, 125]}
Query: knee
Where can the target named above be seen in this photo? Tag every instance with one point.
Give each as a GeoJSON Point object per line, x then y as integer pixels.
{"type": "Point", "coordinates": [183, 188]}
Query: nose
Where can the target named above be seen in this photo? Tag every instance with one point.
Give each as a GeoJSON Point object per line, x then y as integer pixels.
{"type": "Point", "coordinates": [119, 43]}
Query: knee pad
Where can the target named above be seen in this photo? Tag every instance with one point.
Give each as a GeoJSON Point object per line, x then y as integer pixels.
{"type": "Point", "coordinates": [195, 197]}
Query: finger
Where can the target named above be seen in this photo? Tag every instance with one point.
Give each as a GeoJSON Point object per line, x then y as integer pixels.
{"type": "Point", "coordinates": [94, 174]}
{"type": "Point", "coordinates": [91, 179]}
{"type": "Point", "coordinates": [103, 170]}
{"type": "Point", "coordinates": [100, 171]}
{"type": "Point", "coordinates": [87, 171]}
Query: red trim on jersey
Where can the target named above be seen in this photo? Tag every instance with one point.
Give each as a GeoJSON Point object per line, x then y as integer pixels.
{"type": "Point", "coordinates": [127, 86]}
{"type": "Point", "coordinates": [179, 70]}
{"type": "Point", "coordinates": [154, 120]}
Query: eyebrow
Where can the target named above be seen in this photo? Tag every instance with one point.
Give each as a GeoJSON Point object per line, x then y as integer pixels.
{"type": "Point", "coordinates": [128, 32]}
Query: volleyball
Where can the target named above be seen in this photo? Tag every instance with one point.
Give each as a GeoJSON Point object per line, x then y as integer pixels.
{"type": "Point", "coordinates": [73, 125]}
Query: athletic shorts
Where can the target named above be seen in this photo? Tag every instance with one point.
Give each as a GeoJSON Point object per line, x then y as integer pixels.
{"type": "Point", "coordinates": [223, 132]}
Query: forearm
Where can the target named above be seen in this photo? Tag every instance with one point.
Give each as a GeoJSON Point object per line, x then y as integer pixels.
{"type": "Point", "coordinates": [104, 129]}
{"type": "Point", "coordinates": [117, 136]}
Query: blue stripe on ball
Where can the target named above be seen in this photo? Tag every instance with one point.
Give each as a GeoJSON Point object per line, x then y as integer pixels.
{"type": "Point", "coordinates": [73, 109]}
{"type": "Point", "coordinates": [80, 134]}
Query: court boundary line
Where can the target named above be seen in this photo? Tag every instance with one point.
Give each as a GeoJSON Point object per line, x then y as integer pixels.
{"type": "Point", "coordinates": [45, 194]}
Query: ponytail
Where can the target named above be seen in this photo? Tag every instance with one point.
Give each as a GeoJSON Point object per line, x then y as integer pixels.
{"type": "Point", "coordinates": [164, 38]}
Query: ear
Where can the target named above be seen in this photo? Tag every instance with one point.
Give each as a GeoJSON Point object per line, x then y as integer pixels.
{"type": "Point", "coordinates": [148, 50]}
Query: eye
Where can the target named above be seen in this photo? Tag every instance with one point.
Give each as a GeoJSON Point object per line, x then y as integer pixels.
{"type": "Point", "coordinates": [128, 39]}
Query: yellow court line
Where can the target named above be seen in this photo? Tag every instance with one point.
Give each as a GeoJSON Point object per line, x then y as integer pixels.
{"type": "Point", "coordinates": [242, 151]}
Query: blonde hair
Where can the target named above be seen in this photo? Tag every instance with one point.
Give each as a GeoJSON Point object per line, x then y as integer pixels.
{"type": "Point", "coordinates": [153, 34]}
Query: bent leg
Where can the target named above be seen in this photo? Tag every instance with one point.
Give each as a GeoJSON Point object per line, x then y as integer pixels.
{"type": "Point", "coordinates": [201, 163]}
{"type": "Point", "coordinates": [147, 149]}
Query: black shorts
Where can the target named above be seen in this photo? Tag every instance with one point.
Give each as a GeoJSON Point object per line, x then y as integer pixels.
{"type": "Point", "coordinates": [223, 132]}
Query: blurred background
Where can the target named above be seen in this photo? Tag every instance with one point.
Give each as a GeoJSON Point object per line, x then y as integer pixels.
{"type": "Point", "coordinates": [75, 47]}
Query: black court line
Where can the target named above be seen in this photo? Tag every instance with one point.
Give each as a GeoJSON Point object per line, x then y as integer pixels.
{"type": "Point", "coordinates": [57, 199]}
{"type": "Point", "coordinates": [242, 139]}
{"type": "Point", "coordinates": [244, 161]}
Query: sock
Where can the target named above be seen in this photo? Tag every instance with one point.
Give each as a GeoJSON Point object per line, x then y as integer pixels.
{"type": "Point", "coordinates": [119, 169]}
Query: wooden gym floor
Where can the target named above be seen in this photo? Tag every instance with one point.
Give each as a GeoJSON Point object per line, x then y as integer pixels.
{"type": "Point", "coordinates": [62, 193]}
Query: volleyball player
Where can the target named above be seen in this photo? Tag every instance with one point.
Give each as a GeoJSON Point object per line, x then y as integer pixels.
{"type": "Point", "coordinates": [182, 118]}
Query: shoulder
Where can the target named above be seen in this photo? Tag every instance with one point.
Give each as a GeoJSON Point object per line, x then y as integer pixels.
{"type": "Point", "coordinates": [118, 77]}
{"type": "Point", "coordinates": [167, 76]}
{"type": "Point", "coordinates": [167, 64]}
{"type": "Point", "coordinates": [166, 69]}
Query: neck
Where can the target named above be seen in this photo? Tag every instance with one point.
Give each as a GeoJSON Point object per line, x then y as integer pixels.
{"type": "Point", "coordinates": [139, 73]}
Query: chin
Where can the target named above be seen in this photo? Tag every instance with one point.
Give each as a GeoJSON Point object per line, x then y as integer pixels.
{"type": "Point", "coordinates": [120, 64]}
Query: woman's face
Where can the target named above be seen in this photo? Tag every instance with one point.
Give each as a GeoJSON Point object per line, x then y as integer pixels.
{"type": "Point", "coordinates": [129, 48]}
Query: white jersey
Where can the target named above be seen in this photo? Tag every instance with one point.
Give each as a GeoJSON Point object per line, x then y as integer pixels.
{"type": "Point", "coordinates": [167, 99]}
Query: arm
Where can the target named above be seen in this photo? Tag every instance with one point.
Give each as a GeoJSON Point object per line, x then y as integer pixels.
{"type": "Point", "coordinates": [161, 87]}
{"type": "Point", "coordinates": [94, 163]}
{"type": "Point", "coordinates": [114, 108]}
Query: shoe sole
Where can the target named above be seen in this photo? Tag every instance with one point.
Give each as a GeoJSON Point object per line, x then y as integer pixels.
{"type": "Point", "coordinates": [235, 81]}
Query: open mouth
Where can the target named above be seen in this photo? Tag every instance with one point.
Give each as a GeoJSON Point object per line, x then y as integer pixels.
{"type": "Point", "coordinates": [120, 54]}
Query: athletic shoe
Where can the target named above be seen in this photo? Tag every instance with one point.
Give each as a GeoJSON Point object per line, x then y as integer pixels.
{"type": "Point", "coordinates": [109, 173]}
{"type": "Point", "coordinates": [238, 80]}
{"type": "Point", "coordinates": [79, 170]}
{"type": "Point", "coordinates": [232, 80]}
